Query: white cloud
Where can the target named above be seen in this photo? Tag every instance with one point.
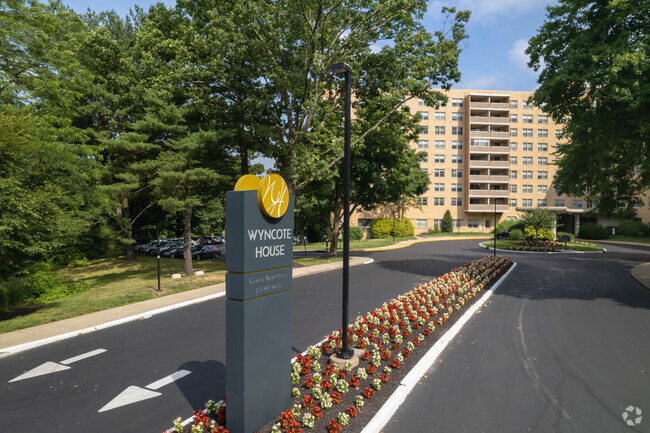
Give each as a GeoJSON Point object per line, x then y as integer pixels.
{"type": "Point", "coordinates": [485, 11]}
{"type": "Point", "coordinates": [518, 57]}
{"type": "Point", "coordinates": [486, 82]}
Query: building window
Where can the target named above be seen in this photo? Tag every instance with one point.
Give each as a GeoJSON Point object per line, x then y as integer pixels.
{"type": "Point", "coordinates": [424, 129]}
{"type": "Point", "coordinates": [527, 118]}
{"type": "Point", "coordinates": [421, 102]}
{"type": "Point", "coordinates": [423, 144]}
{"type": "Point", "coordinates": [542, 118]}
{"type": "Point", "coordinates": [457, 187]}
{"type": "Point", "coordinates": [438, 201]}
{"type": "Point", "coordinates": [527, 189]}
{"type": "Point", "coordinates": [527, 160]}
{"type": "Point", "coordinates": [456, 173]}
{"type": "Point", "coordinates": [457, 159]}
{"type": "Point", "coordinates": [439, 172]}
{"type": "Point", "coordinates": [457, 116]}
{"type": "Point", "coordinates": [513, 145]}
{"type": "Point", "coordinates": [439, 187]}
{"type": "Point", "coordinates": [513, 118]}
{"type": "Point", "coordinates": [422, 201]}
{"type": "Point", "coordinates": [527, 174]}
{"type": "Point", "coordinates": [528, 147]}
{"type": "Point", "coordinates": [457, 223]}
{"type": "Point", "coordinates": [513, 160]}
{"type": "Point", "coordinates": [577, 204]}
{"type": "Point", "coordinates": [439, 130]}
{"type": "Point", "coordinates": [527, 202]}
{"type": "Point", "coordinates": [559, 202]}
{"type": "Point", "coordinates": [439, 144]}
{"type": "Point", "coordinates": [457, 130]}
{"type": "Point", "coordinates": [542, 175]}
{"type": "Point", "coordinates": [513, 104]}
{"type": "Point", "coordinates": [513, 132]}
{"type": "Point", "coordinates": [439, 115]}
{"type": "Point", "coordinates": [541, 202]}
{"type": "Point", "coordinates": [559, 133]}
{"type": "Point", "coordinates": [512, 202]}
{"type": "Point", "coordinates": [542, 160]}
{"type": "Point", "coordinates": [457, 145]}
{"type": "Point", "coordinates": [513, 174]}
{"type": "Point", "coordinates": [424, 115]}
{"type": "Point", "coordinates": [479, 142]}
{"type": "Point", "coordinates": [456, 102]}
{"type": "Point", "coordinates": [590, 204]}
{"type": "Point", "coordinates": [542, 189]}
{"type": "Point", "coordinates": [421, 224]}
{"type": "Point", "coordinates": [425, 170]}
{"type": "Point", "coordinates": [364, 222]}
{"type": "Point", "coordinates": [527, 132]}
{"type": "Point", "coordinates": [513, 188]}
{"type": "Point", "coordinates": [527, 105]}
{"type": "Point", "coordinates": [424, 158]}
{"type": "Point", "coordinates": [439, 159]}
{"type": "Point", "coordinates": [437, 223]}
{"type": "Point", "coordinates": [456, 201]}
{"type": "Point", "coordinates": [542, 133]}
{"type": "Point", "coordinates": [542, 147]}
{"type": "Point", "coordinates": [472, 224]}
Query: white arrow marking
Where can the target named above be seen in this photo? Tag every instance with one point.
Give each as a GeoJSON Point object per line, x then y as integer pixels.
{"type": "Point", "coordinates": [168, 379]}
{"type": "Point", "coordinates": [83, 356]}
{"type": "Point", "coordinates": [132, 394]}
{"type": "Point", "coordinates": [53, 367]}
{"type": "Point", "coordinates": [47, 368]}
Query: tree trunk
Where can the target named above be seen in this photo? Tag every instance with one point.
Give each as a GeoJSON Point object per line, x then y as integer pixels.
{"type": "Point", "coordinates": [129, 247]}
{"type": "Point", "coordinates": [187, 242]}
{"type": "Point", "coordinates": [336, 220]}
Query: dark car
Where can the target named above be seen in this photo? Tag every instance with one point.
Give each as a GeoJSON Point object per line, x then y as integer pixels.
{"type": "Point", "coordinates": [207, 252]}
{"type": "Point", "coordinates": [505, 233]}
{"type": "Point", "coordinates": [179, 251]}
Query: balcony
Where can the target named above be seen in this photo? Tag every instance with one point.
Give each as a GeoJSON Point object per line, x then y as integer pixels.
{"type": "Point", "coordinates": [479, 163]}
{"type": "Point", "coordinates": [491, 105]}
{"type": "Point", "coordinates": [497, 150]}
{"type": "Point", "coordinates": [488, 134]}
{"type": "Point", "coordinates": [489, 120]}
{"type": "Point", "coordinates": [495, 193]}
{"type": "Point", "coordinates": [488, 179]}
{"type": "Point", "coordinates": [486, 208]}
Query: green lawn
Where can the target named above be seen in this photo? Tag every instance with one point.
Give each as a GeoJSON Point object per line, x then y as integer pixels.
{"type": "Point", "coordinates": [354, 245]}
{"type": "Point", "coordinates": [456, 234]}
{"type": "Point", "coordinates": [573, 246]}
{"type": "Point", "coordinates": [639, 239]}
{"type": "Point", "coordinates": [115, 282]}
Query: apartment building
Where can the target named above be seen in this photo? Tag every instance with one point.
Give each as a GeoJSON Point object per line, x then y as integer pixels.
{"type": "Point", "coordinates": [491, 154]}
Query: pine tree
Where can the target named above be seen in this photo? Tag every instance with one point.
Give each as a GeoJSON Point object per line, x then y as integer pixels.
{"type": "Point", "coordinates": [447, 225]}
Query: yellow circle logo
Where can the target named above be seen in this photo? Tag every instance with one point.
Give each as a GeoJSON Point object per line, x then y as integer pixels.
{"type": "Point", "coordinates": [273, 195]}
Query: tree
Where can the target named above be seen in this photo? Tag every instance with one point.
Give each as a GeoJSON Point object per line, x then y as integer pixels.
{"type": "Point", "coordinates": [447, 225]}
{"type": "Point", "coordinates": [595, 77]}
{"type": "Point", "coordinates": [539, 218]}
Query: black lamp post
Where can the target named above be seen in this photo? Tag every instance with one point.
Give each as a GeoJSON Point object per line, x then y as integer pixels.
{"type": "Point", "coordinates": [495, 227]}
{"type": "Point", "coordinates": [345, 352]}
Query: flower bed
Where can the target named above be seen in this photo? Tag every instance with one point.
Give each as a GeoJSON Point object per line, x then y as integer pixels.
{"type": "Point", "coordinates": [541, 246]}
{"type": "Point", "coordinates": [390, 338]}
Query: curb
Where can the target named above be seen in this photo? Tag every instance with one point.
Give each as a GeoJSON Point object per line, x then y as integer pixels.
{"type": "Point", "coordinates": [418, 241]}
{"type": "Point", "coordinates": [545, 252]}
{"type": "Point", "coordinates": [398, 397]}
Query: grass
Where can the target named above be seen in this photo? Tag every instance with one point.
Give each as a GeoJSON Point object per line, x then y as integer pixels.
{"type": "Point", "coordinates": [354, 245]}
{"type": "Point", "coordinates": [455, 234]}
{"type": "Point", "coordinates": [639, 239]}
{"type": "Point", "coordinates": [115, 282]}
{"type": "Point", "coordinates": [572, 246]}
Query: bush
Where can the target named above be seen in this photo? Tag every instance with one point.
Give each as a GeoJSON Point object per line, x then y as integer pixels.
{"type": "Point", "coordinates": [632, 228]}
{"type": "Point", "coordinates": [530, 233]}
{"type": "Point", "coordinates": [381, 228]}
{"type": "Point", "coordinates": [506, 224]}
{"type": "Point", "coordinates": [593, 231]}
{"type": "Point", "coordinates": [44, 286]}
{"type": "Point", "coordinates": [516, 235]}
{"type": "Point", "coordinates": [435, 230]}
{"type": "Point", "coordinates": [560, 234]}
{"type": "Point", "coordinates": [356, 233]}
{"type": "Point", "coordinates": [11, 293]}
{"type": "Point", "coordinates": [545, 234]}
{"type": "Point", "coordinates": [447, 225]}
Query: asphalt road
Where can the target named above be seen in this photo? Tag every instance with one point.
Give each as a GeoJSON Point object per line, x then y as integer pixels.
{"type": "Point", "coordinates": [581, 319]}
{"type": "Point", "coordinates": [562, 346]}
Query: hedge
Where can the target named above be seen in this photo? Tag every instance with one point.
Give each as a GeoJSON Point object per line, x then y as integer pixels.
{"type": "Point", "coordinates": [381, 227]}
{"type": "Point", "coordinates": [593, 231]}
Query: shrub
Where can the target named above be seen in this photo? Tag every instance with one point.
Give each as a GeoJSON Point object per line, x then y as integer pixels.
{"type": "Point", "coordinates": [44, 286]}
{"type": "Point", "coordinates": [435, 230]}
{"type": "Point", "coordinates": [545, 234]}
{"type": "Point", "coordinates": [530, 233]}
{"type": "Point", "coordinates": [11, 293]}
{"type": "Point", "coordinates": [516, 235]}
{"type": "Point", "coordinates": [631, 228]}
{"type": "Point", "coordinates": [356, 233]}
{"type": "Point", "coordinates": [447, 225]}
{"type": "Point", "coordinates": [560, 234]}
{"type": "Point", "coordinates": [381, 227]}
{"type": "Point", "coordinates": [593, 231]}
{"type": "Point", "coordinates": [506, 224]}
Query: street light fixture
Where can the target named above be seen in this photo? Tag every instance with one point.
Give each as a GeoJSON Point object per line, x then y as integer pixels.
{"type": "Point", "coordinates": [345, 352]}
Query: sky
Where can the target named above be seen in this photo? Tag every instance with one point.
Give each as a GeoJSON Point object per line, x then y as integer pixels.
{"type": "Point", "coordinates": [492, 56]}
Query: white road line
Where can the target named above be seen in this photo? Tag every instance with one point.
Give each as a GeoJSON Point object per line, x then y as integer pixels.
{"type": "Point", "coordinates": [389, 408]}
{"type": "Point", "coordinates": [168, 379]}
{"type": "Point", "coordinates": [82, 356]}
{"type": "Point", "coordinates": [369, 261]}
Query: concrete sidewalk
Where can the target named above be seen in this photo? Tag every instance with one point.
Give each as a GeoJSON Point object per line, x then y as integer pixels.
{"type": "Point", "coordinates": [23, 339]}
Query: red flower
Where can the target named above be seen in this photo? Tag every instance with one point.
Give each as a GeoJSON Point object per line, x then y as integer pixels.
{"type": "Point", "coordinates": [372, 369]}
{"type": "Point", "coordinates": [340, 374]}
{"type": "Point", "coordinates": [406, 353]}
{"type": "Point", "coordinates": [334, 426]}
{"type": "Point", "coordinates": [221, 429]}
{"type": "Point", "coordinates": [368, 392]}
{"type": "Point", "coordinates": [221, 414]}
{"type": "Point", "coordinates": [395, 363]}
{"type": "Point", "coordinates": [308, 401]}
{"type": "Point", "coordinates": [416, 342]}
{"type": "Point", "coordinates": [309, 383]}
{"type": "Point", "coordinates": [352, 411]}
{"type": "Point", "coordinates": [336, 397]}
{"type": "Point", "coordinates": [426, 332]}
{"type": "Point", "coordinates": [384, 378]}
{"type": "Point", "coordinates": [329, 370]}
{"type": "Point", "coordinates": [286, 418]}
{"type": "Point", "coordinates": [366, 355]}
{"type": "Point", "coordinates": [354, 381]}
{"type": "Point", "coordinates": [326, 384]}
{"type": "Point", "coordinates": [316, 411]}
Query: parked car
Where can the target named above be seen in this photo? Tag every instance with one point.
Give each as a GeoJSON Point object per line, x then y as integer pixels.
{"type": "Point", "coordinates": [180, 251]}
{"type": "Point", "coordinates": [207, 252]}
{"type": "Point", "coordinates": [505, 233]}
{"type": "Point", "coordinates": [170, 251]}
{"type": "Point", "coordinates": [140, 247]}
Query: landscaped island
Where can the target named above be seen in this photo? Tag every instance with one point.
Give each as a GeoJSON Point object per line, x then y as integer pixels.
{"type": "Point", "coordinates": [542, 246]}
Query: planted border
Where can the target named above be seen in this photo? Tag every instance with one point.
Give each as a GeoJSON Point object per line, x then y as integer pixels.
{"type": "Point", "coordinates": [328, 399]}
